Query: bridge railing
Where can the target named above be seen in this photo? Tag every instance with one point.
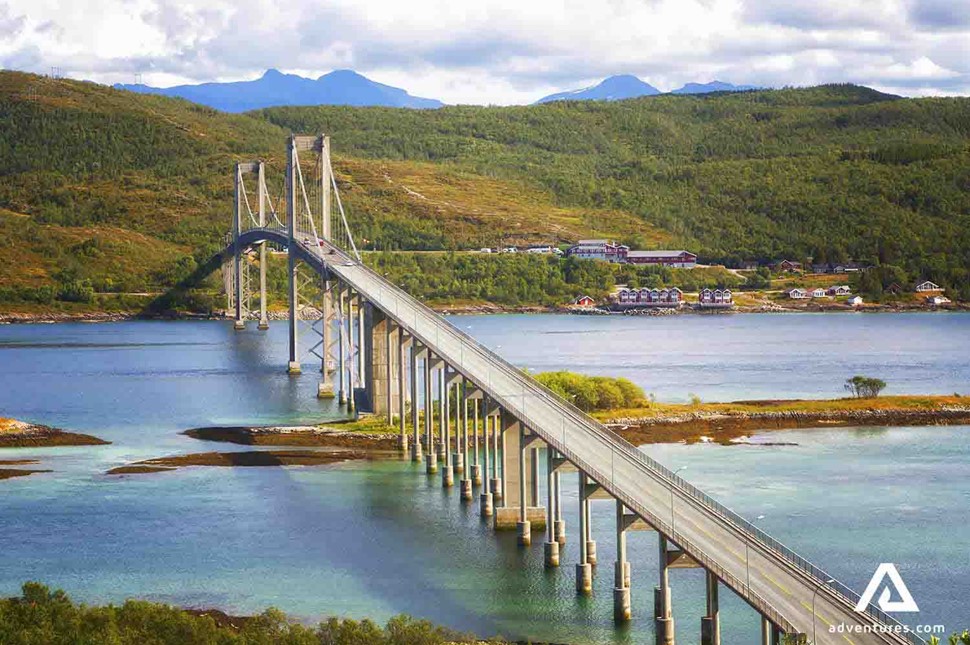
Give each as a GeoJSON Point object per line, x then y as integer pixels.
{"type": "Point", "coordinates": [428, 323]}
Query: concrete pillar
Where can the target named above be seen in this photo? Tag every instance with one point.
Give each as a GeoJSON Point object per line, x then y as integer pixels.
{"type": "Point", "coordinates": [448, 475]}
{"type": "Point", "coordinates": [415, 425]}
{"type": "Point", "coordinates": [458, 457]}
{"type": "Point", "coordinates": [361, 341]}
{"type": "Point", "coordinates": [487, 500]}
{"type": "Point", "coordinates": [466, 481]}
{"type": "Point", "coordinates": [261, 195]}
{"type": "Point", "coordinates": [477, 467]}
{"type": "Point", "coordinates": [291, 161]}
{"type": "Point", "coordinates": [380, 369]}
{"type": "Point", "coordinates": [661, 600]}
{"type": "Point", "coordinates": [495, 484]}
{"type": "Point", "coordinates": [522, 526]}
{"type": "Point", "coordinates": [442, 416]}
{"type": "Point", "coordinates": [239, 323]}
{"type": "Point", "coordinates": [325, 386]}
{"type": "Point", "coordinates": [534, 477]}
{"type": "Point", "coordinates": [341, 347]}
{"type": "Point", "coordinates": [766, 631]}
{"type": "Point", "coordinates": [293, 367]}
{"type": "Point", "coordinates": [621, 578]}
{"type": "Point", "coordinates": [587, 533]}
{"type": "Point", "coordinates": [551, 547]}
{"type": "Point", "coordinates": [560, 520]}
{"type": "Point", "coordinates": [263, 324]}
{"type": "Point", "coordinates": [711, 624]}
{"type": "Point", "coordinates": [390, 334]}
{"type": "Point", "coordinates": [431, 458]}
{"type": "Point", "coordinates": [498, 463]}
{"type": "Point", "coordinates": [402, 389]}
{"type": "Point", "coordinates": [584, 570]}
{"type": "Point", "coordinates": [351, 353]}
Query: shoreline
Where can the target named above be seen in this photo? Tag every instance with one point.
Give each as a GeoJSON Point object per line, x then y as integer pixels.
{"type": "Point", "coordinates": [724, 423]}
{"type": "Point", "coordinates": [27, 318]}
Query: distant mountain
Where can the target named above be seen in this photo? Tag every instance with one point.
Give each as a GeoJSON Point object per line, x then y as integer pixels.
{"type": "Point", "coordinates": [713, 86]}
{"type": "Point", "coordinates": [613, 88]}
{"type": "Point", "coordinates": [340, 87]}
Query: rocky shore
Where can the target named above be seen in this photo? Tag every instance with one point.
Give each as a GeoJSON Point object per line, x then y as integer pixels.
{"type": "Point", "coordinates": [21, 434]}
{"type": "Point", "coordinates": [323, 436]}
{"type": "Point", "coordinates": [728, 426]}
{"type": "Point", "coordinates": [263, 458]}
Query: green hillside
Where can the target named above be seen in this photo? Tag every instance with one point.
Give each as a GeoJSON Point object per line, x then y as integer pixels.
{"type": "Point", "coordinates": [109, 198]}
{"type": "Point", "coordinates": [832, 172]}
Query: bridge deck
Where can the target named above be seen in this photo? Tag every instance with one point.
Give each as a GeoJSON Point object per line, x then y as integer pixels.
{"type": "Point", "coordinates": [771, 579]}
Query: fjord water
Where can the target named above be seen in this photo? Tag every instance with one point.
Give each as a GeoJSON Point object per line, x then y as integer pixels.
{"type": "Point", "coordinates": [376, 538]}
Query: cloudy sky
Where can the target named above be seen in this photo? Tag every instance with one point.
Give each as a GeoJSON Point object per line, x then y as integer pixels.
{"type": "Point", "coordinates": [499, 51]}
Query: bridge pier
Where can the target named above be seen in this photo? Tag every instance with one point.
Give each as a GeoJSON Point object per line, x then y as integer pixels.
{"type": "Point", "coordinates": [292, 162]}
{"type": "Point", "coordinates": [769, 633]}
{"type": "Point", "coordinates": [442, 416]}
{"type": "Point", "coordinates": [621, 580]}
{"type": "Point", "coordinates": [416, 352]}
{"type": "Point", "coordinates": [402, 389]}
{"type": "Point", "coordinates": [661, 599]}
{"type": "Point", "coordinates": [523, 526]}
{"type": "Point", "coordinates": [448, 475]}
{"type": "Point", "coordinates": [498, 482]}
{"type": "Point", "coordinates": [477, 431]}
{"type": "Point", "coordinates": [584, 570]}
{"type": "Point", "coordinates": [560, 521]}
{"type": "Point", "coordinates": [293, 366]}
{"type": "Point", "coordinates": [431, 458]}
{"type": "Point", "coordinates": [238, 324]}
{"type": "Point", "coordinates": [458, 457]}
{"type": "Point", "coordinates": [586, 533]}
{"type": "Point", "coordinates": [487, 498]}
{"type": "Point", "coordinates": [351, 354]}
{"type": "Point", "coordinates": [551, 547]}
{"type": "Point", "coordinates": [466, 481]}
{"type": "Point", "coordinates": [360, 343]}
{"type": "Point", "coordinates": [711, 624]}
{"type": "Point", "coordinates": [325, 386]}
{"type": "Point", "coordinates": [261, 194]}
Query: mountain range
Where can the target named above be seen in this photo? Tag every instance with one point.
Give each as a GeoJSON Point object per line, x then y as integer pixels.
{"type": "Point", "coordinates": [274, 88]}
{"type": "Point", "coordinates": [627, 86]}
{"type": "Point", "coordinates": [346, 87]}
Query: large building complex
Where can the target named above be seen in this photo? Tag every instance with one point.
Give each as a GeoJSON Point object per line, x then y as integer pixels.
{"type": "Point", "coordinates": [609, 251]}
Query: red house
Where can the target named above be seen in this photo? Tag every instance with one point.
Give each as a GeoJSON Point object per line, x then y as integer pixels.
{"type": "Point", "coordinates": [583, 301]}
{"type": "Point", "coordinates": [715, 298]}
{"type": "Point", "coordinates": [675, 259]}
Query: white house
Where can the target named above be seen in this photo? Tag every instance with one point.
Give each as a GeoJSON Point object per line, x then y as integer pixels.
{"type": "Point", "coordinates": [855, 301]}
{"type": "Point", "coordinates": [818, 292]}
{"type": "Point", "coordinates": [839, 290]}
{"type": "Point", "coordinates": [798, 294]}
{"type": "Point", "coordinates": [924, 287]}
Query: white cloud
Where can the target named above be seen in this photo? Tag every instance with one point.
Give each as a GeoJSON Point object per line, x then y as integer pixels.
{"type": "Point", "coordinates": [498, 51]}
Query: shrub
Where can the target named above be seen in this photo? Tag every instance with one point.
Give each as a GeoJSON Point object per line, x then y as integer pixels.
{"type": "Point", "coordinates": [864, 387]}
{"type": "Point", "coordinates": [590, 393]}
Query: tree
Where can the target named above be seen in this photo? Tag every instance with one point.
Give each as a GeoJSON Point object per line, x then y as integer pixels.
{"type": "Point", "coordinates": [864, 387]}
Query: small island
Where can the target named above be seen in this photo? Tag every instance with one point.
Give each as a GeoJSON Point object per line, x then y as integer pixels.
{"type": "Point", "coordinates": [239, 459]}
{"type": "Point", "coordinates": [21, 434]}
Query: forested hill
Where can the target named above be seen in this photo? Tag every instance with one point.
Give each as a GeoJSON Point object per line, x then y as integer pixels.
{"type": "Point", "coordinates": [110, 191]}
{"type": "Point", "coordinates": [832, 172]}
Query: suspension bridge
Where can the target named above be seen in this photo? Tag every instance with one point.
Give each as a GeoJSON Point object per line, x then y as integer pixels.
{"type": "Point", "coordinates": [465, 412]}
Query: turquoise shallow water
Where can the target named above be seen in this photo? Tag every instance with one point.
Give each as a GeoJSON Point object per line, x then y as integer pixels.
{"type": "Point", "coordinates": [379, 538]}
